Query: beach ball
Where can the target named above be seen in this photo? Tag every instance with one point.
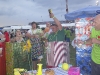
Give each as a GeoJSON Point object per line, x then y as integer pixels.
{"type": "Point", "coordinates": [65, 66]}
{"type": "Point", "coordinates": [46, 29]}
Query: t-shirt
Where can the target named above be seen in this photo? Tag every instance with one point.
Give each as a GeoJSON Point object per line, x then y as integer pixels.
{"type": "Point", "coordinates": [58, 36]}
{"type": "Point", "coordinates": [96, 47]}
{"type": "Point", "coordinates": [68, 33]}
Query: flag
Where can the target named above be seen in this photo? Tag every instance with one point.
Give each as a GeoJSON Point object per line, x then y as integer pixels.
{"type": "Point", "coordinates": [59, 53]}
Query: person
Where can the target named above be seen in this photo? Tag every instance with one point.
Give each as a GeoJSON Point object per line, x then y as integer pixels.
{"type": "Point", "coordinates": [68, 35]}
{"type": "Point", "coordinates": [37, 46]}
{"type": "Point", "coordinates": [57, 48]}
{"type": "Point", "coordinates": [12, 34]}
{"type": "Point", "coordinates": [95, 40]}
{"type": "Point", "coordinates": [7, 36]}
{"type": "Point", "coordinates": [18, 37]}
{"type": "Point", "coordinates": [48, 28]}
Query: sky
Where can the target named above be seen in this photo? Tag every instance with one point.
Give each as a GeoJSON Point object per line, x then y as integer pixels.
{"type": "Point", "coordinates": [21, 12]}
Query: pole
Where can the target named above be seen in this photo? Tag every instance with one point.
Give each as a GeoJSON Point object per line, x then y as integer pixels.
{"type": "Point", "coordinates": [42, 18]}
{"type": "Point", "coordinates": [67, 6]}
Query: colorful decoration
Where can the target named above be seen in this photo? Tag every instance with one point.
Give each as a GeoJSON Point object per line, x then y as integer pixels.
{"type": "Point", "coordinates": [21, 59]}
{"type": "Point", "coordinates": [16, 58]}
{"type": "Point", "coordinates": [37, 31]}
{"type": "Point", "coordinates": [9, 59]}
{"type": "Point", "coordinates": [19, 71]}
{"type": "Point", "coordinates": [83, 57]}
{"type": "Point", "coordinates": [74, 71]}
{"type": "Point", "coordinates": [28, 46]}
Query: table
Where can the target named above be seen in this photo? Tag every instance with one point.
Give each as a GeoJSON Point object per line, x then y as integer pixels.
{"type": "Point", "coordinates": [58, 71]}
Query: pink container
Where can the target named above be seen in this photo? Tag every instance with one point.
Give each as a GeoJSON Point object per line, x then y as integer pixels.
{"type": "Point", "coordinates": [74, 71]}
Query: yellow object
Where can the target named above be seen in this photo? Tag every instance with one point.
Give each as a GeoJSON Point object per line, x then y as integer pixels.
{"type": "Point", "coordinates": [50, 11]}
{"type": "Point", "coordinates": [9, 59]}
{"type": "Point", "coordinates": [65, 66]}
{"type": "Point", "coordinates": [39, 71]}
{"type": "Point", "coordinates": [18, 70]}
{"type": "Point", "coordinates": [28, 46]}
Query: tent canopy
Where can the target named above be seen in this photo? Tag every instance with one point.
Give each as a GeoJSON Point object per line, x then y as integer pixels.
{"type": "Point", "coordinates": [89, 11]}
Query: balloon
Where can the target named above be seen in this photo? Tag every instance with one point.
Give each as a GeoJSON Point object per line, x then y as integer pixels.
{"type": "Point", "coordinates": [47, 29]}
{"type": "Point", "coordinates": [65, 66]}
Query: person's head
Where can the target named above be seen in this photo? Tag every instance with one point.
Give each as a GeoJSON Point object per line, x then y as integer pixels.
{"type": "Point", "coordinates": [54, 28]}
{"type": "Point", "coordinates": [18, 33]}
{"type": "Point", "coordinates": [96, 22]}
{"type": "Point", "coordinates": [43, 29]}
{"type": "Point", "coordinates": [34, 25]}
{"type": "Point", "coordinates": [67, 28]}
{"type": "Point", "coordinates": [48, 24]}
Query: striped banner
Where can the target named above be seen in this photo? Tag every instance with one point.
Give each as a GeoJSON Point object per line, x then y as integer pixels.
{"type": "Point", "coordinates": [59, 53]}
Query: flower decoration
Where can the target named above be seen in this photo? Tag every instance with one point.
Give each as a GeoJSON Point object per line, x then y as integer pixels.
{"type": "Point", "coordinates": [28, 46]}
{"type": "Point", "coordinates": [39, 31]}
{"type": "Point", "coordinates": [18, 71]}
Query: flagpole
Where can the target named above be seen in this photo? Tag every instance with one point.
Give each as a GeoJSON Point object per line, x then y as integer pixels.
{"type": "Point", "coordinates": [42, 18]}
{"type": "Point", "coordinates": [66, 6]}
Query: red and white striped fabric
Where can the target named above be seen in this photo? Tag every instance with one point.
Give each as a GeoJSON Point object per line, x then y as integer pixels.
{"type": "Point", "coordinates": [59, 53]}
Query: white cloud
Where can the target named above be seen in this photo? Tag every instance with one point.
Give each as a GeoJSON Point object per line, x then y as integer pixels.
{"type": "Point", "coordinates": [13, 12]}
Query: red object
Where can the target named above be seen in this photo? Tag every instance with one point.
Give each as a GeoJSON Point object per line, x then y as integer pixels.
{"type": "Point", "coordinates": [50, 66]}
{"type": "Point", "coordinates": [6, 34]}
{"type": "Point", "coordinates": [98, 37]}
{"type": "Point", "coordinates": [3, 60]}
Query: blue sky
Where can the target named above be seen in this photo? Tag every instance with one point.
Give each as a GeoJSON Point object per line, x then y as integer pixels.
{"type": "Point", "coordinates": [21, 12]}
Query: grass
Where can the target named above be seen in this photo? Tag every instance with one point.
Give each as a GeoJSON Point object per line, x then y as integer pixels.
{"type": "Point", "coordinates": [72, 52]}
